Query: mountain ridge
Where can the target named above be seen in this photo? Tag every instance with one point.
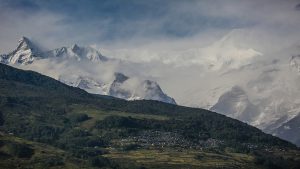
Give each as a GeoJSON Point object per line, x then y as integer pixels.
{"type": "Point", "coordinates": [27, 56]}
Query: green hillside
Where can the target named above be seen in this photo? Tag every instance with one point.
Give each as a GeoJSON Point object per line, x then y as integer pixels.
{"type": "Point", "coordinates": [45, 119]}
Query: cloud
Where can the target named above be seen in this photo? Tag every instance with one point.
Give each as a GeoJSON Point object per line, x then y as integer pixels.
{"type": "Point", "coordinates": [130, 23]}
{"type": "Point", "coordinates": [18, 23]}
{"type": "Point", "coordinates": [168, 41]}
{"type": "Point", "coordinates": [297, 7]}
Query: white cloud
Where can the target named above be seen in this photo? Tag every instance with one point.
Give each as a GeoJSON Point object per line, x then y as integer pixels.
{"type": "Point", "coordinates": [262, 29]}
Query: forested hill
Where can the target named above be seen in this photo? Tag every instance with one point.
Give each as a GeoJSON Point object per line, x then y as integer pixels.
{"type": "Point", "coordinates": [36, 80]}
{"type": "Point", "coordinates": [96, 131]}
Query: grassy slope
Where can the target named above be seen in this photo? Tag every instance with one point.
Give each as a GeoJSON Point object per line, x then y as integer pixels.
{"type": "Point", "coordinates": [38, 108]}
{"type": "Point", "coordinates": [185, 159]}
{"type": "Point", "coordinates": [44, 155]}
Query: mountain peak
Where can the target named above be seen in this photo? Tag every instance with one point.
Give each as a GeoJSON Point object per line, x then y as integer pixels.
{"type": "Point", "coordinates": [25, 43]}
{"type": "Point", "coordinates": [75, 47]}
{"type": "Point", "coordinates": [120, 77]}
{"type": "Point", "coordinates": [25, 52]}
{"type": "Point", "coordinates": [23, 39]}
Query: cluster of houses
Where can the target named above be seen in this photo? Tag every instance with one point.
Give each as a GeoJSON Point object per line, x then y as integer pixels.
{"type": "Point", "coordinates": [161, 139]}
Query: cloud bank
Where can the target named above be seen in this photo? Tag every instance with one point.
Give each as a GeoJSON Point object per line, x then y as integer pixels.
{"type": "Point", "coordinates": [184, 45]}
{"type": "Point", "coordinates": [133, 23]}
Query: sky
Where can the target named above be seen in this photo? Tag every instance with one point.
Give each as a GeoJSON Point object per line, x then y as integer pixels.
{"type": "Point", "coordinates": [177, 43]}
{"type": "Point", "coordinates": [142, 23]}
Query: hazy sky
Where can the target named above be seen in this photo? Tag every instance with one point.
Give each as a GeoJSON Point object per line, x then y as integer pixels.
{"type": "Point", "coordinates": [125, 24]}
{"type": "Point", "coordinates": [179, 43]}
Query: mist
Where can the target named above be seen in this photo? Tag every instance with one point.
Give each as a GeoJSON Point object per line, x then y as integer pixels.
{"type": "Point", "coordinates": [183, 45]}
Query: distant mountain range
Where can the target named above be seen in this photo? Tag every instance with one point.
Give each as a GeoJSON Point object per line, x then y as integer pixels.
{"type": "Point", "coordinates": [268, 98]}
{"type": "Point", "coordinates": [239, 81]}
{"type": "Point", "coordinates": [234, 75]}
{"type": "Point", "coordinates": [77, 66]}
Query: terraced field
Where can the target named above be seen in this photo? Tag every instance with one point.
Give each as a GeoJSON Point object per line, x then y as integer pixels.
{"type": "Point", "coordinates": [169, 158]}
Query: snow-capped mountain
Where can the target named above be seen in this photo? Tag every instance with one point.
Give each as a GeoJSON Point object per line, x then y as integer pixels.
{"type": "Point", "coordinates": [290, 130]}
{"type": "Point", "coordinates": [268, 97]}
{"type": "Point", "coordinates": [83, 67]}
{"type": "Point", "coordinates": [89, 84]}
{"type": "Point", "coordinates": [149, 90]}
{"type": "Point", "coordinates": [25, 53]}
{"type": "Point", "coordinates": [116, 88]}
{"type": "Point", "coordinates": [77, 53]}
{"type": "Point", "coordinates": [236, 104]}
